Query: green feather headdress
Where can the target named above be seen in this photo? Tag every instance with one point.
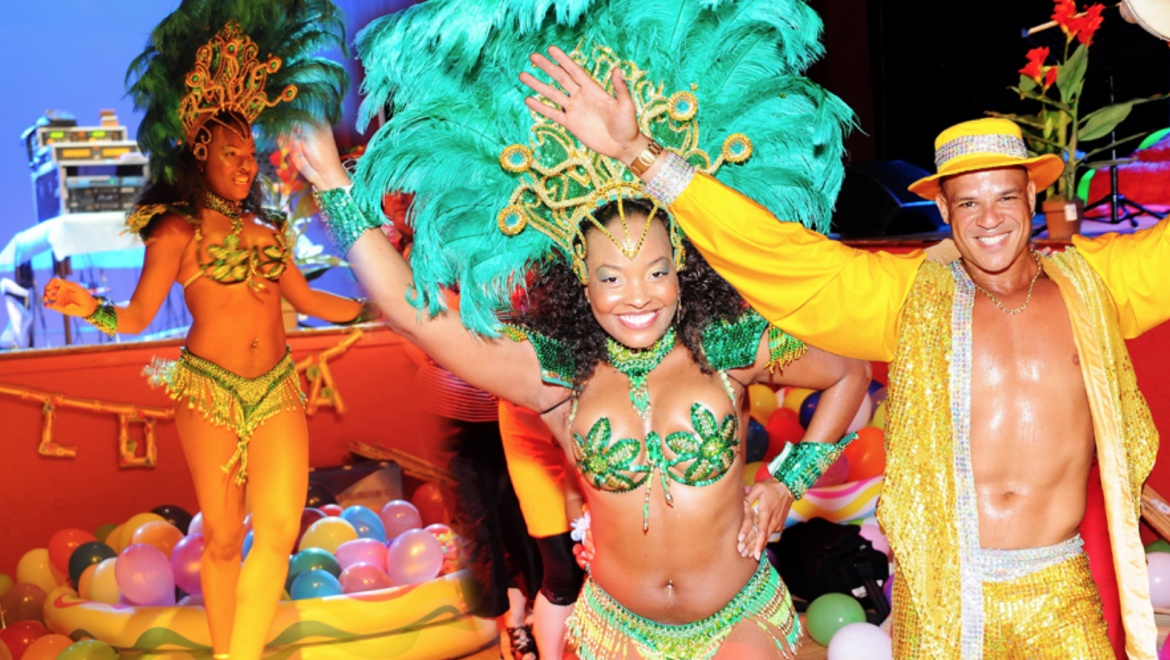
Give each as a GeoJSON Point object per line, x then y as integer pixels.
{"type": "Point", "coordinates": [192, 67]}
{"type": "Point", "coordinates": [447, 72]}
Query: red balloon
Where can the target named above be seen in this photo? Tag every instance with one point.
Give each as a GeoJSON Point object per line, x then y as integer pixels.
{"type": "Point", "coordinates": [866, 454]}
{"type": "Point", "coordinates": [309, 516]}
{"type": "Point", "coordinates": [332, 510]}
{"type": "Point", "coordinates": [783, 427]}
{"type": "Point", "coordinates": [63, 543]}
{"type": "Point", "coordinates": [432, 508]}
{"type": "Point", "coordinates": [20, 635]}
{"type": "Point", "coordinates": [762, 473]}
{"type": "Point", "coordinates": [23, 602]}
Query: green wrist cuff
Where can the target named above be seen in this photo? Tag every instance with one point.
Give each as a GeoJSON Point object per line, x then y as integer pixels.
{"type": "Point", "coordinates": [800, 465]}
{"type": "Point", "coordinates": [105, 317]}
{"type": "Point", "coordinates": [343, 220]}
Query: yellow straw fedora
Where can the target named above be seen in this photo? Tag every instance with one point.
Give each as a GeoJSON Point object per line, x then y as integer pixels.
{"type": "Point", "coordinates": [984, 144]}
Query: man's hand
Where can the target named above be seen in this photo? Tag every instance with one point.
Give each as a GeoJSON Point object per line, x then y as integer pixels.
{"type": "Point", "coordinates": [766, 508]}
{"type": "Point", "coordinates": [69, 298]}
{"type": "Point", "coordinates": [605, 124]}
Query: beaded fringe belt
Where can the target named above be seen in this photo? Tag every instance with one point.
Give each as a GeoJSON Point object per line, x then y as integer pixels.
{"type": "Point", "coordinates": [601, 629]}
{"type": "Point", "coordinates": [227, 399]}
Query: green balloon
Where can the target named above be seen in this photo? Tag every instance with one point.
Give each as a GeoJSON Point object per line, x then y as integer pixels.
{"type": "Point", "coordinates": [5, 583]}
{"type": "Point", "coordinates": [828, 613]}
{"type": "Point", "coordinates": [103, 532]}
{"type": "Point", "coordinates": [88, 649]}
{"type": "Point", "coordinates": [1161, 545]}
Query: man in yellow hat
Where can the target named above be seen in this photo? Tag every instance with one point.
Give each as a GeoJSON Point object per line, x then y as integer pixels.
{"type": "Point", "coordinates": [1009, 376]}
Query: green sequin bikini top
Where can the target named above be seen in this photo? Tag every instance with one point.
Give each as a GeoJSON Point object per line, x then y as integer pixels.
{"type": "Point", "coordinates": [693, 457]}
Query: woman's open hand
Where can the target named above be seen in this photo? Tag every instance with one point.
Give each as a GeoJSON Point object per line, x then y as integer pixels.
{"type": "Point", "coordinates": [313, 152]}
{"type": "Point", "coordinates": [606, 124]}
{"type": "Point", "coordinates": [766, 508]}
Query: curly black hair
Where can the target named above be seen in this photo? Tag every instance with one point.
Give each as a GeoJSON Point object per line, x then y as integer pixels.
{"type": "Point", "coordinates": [188, 187]}
{"type": "Point", "coordinates": [556, 306]}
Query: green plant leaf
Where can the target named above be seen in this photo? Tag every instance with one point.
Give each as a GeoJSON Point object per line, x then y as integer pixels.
{"type": "Point", "coordinates": [1071, 76]}
{"type": "Point", "coordinates": [1099, 123]}
{"type": "Point", "coordinates": [1027, 84]}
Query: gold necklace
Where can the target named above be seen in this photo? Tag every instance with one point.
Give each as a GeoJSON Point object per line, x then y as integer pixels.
{"type": "Point", "coordinates": [232, 211]}
{"type": "Point", "coordinates": [1027, 299]}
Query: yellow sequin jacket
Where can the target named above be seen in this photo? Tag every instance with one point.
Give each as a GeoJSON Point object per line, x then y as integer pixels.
{"type": "Point", "coordinates": [896, 308]}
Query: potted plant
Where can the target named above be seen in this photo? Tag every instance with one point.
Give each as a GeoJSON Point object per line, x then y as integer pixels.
{"type": "Point", "coordinates": [1060, 125]}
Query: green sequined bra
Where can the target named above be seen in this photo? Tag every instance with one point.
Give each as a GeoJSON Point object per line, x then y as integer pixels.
{"type": "Point", "coordinates": [695, 457]}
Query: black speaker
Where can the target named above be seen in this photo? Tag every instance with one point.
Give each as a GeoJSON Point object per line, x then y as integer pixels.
{"type": "Point", "coordinates": [874, 201]}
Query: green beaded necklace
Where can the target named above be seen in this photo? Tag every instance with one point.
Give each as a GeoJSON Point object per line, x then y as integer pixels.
{"type": "Point", "coordinates": [636, 365]}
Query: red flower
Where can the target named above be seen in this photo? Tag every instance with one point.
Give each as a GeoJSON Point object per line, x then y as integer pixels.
{"type": "Point", "coordinates": [1035, 66]}
{"type": "Point", "coordinates": [1065, 13]}
{"type": "Point", "coordinates": [1050, 77]}
{"type": "Point", "coordinates": [1088, 23]}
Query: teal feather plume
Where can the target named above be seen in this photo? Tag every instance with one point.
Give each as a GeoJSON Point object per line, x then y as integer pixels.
{"type": "Point", "coordinates": [447, 71]}
{"type": "Point", "coordinates": [292, 30]}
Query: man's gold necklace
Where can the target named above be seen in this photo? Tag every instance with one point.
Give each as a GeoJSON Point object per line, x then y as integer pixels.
{"type": "Point", "coordinates": [1027, 299]}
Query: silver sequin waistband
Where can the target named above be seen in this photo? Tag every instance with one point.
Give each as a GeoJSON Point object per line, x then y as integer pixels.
{"type": "Point", "coordinates": [997, 565]}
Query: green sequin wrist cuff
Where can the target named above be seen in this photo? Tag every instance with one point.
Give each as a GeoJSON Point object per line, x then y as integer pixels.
{"type": "Point", "coordinates": [800, 465]}
{"type": "Point", "coordinates": [343, 220]}
{"type": "Point", "coordinates": [105, 317]}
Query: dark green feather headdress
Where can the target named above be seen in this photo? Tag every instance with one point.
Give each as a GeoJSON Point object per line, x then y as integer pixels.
{"type": "Point", "coordinates": [251, 57]}
{"type": "Point", "coordinates": [718, 81]}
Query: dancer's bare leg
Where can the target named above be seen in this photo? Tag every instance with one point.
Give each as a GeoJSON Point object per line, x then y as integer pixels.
{"type": "Point", "coordinates": [548, 627]}
{"type": "Point", "coordinates": [221, 502]}
{"type": "Point", "coordinates": [278, 478]}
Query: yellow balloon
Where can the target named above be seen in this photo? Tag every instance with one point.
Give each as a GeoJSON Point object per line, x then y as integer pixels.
{"type": "Point", "coordinates": [103, 586]}
{"type": "Point", "coordinates": [795, 396]}
{"type": "Point", "coordinates": [85, 582]}
{"type": "Point", "coordinates": [34, 568]}
{"type": "Point", "coordinates": [328, 533]}
{"type": "Point", "coordinates": [762, 400]}
{"type": "Point", "coordinates": [879, 416]}
{"type": "Point", "coordinates": [5, 584]}
{"type": "Point", "coordinates": [749, 473]}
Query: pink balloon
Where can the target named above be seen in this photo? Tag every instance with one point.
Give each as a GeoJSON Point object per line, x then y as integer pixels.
{"type": "Point", "coordinates": [196, 526]}
{"type": "Point", "coordinates": [399, 516]}
{"type": "Point", "coordinates": [1164, 652]}
{"type": "Point", "coordinates": [1159, 569]}
{"type": "Point", "coordinates": [860, 640]}
{"type": "Point", "coordinates": [414, 556]}
{"type": "Point", "coordinates": [874, 533]}
{"type": "Point", "coordinates": [332, 509]}
{"type": "Point", "coordinates": [363, 577]}
{"type": "Point", "coordinates": [144, 575]}
{"type": "Point", "coordinates": [835, 475]}
{"type": "Point", "coordinates": [361, 551]}
{"type": "Point", "coordinates": [185, 559]}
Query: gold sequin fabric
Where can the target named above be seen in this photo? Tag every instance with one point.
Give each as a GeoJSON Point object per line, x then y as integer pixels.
{"type": "Point", "coordinates": [601, 629]}
{"type": "Point", "coordinates": [227, 399]}
{"type": "Point", "coordinates": [917, 508]}
{"type": "Point", "coordinates": [1051, 614]}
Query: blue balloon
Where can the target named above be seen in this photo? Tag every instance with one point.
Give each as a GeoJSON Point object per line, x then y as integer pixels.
{"type": "Point", "coordinates": [808, 407]}
{"type": "Point", "coordinates": [314, 583]}
{"type": "Point", "coordinates": [756, 445]}
{"type": "Point", "coordinates": [874, 386]}
{"type": "Point", "coordinates": [367, 523]}
{"type": "Point", "coordinates": [247, 544]}
{"type": "Point", "coordinates": [311, 559]}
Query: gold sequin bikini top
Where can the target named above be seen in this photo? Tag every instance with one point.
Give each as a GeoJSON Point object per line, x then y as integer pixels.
{"type": "Point", "coordinates": [230, 263]}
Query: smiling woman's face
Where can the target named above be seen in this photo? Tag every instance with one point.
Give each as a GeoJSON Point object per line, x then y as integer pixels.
{"type": "Point", "coordinates": [634, 300]}
{"type": "Point", "coordinates": [231, 166]}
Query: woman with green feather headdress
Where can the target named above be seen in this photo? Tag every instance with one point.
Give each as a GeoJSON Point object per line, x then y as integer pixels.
{"type": "Point", "coordinates": [636, 353]}
{"type": "Point", "coordinates": [212, 72]}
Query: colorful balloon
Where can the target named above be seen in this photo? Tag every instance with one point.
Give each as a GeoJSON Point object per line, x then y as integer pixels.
{"type": "Point", "coordinates": [103, 586]}
{"type": "Point", "coordinates": [399, 516]}
{"type": "Point", "coordinates": [783, 427]}
{"type": "Point", "coordinates": [103, 532]}
{"type": "Point", "coordinates": [432, 506]}
{"type": "Point", "coordinates": [185, 563]}
{"type": "Point", "coordinates": [158, 533]}
{"type": "Point", "coordinates": [361, 551]}
{"type": "Point", "coordinates": [331, 509]}
{"type": "Point", "coordinates": [327, 533]}
{"type": "Point", "coordinates": [196, 526]}
{"type": "Point", "coordinates": [808, 408]}
{"type": "Point", "coordinates": [794, 397]}
{"type": "Point", "coordinates": [86, 555]}
{"type": "Point", "coordinates": [314, 584]}
{"type": "Point", "coordinates": [828, 613]}
{"type": "Point", "coordinates": [85, 583]}
{"type": "Point", "coordinates": [761, 402]}
{"type": "Point", "coordinates": [313, 559]}
{"type": "Point", "coordinates": [144, 575]}
{"type": "Point", "coordinates": [365, 522]}
{"type": "Point", "coordinates": [47, 647]}
{"type": "Point", "coordinates": [862, 416]}
{"type": "Point", "coordinates": [5, 583]}
{"type": "Point", "coordinates": [23, 602]}
{"type": "Point", "coordinates": [363, 577]}
{"type": "Point", "coordinates": [750, 471]}
{"type": "Point", "coordinates": [18, 636]}
{"type": "Point", "coordinates": [837, 473]}
{"type": "Point", "coordinates": [63, 543]}
{"type": "Point", "coordinates": [309, 516]}
{"type": "Point", "coordinates": [414, 556]}
{"type": "Point", "coordinates": [175, 515]}
{"type": "Point", "coordinates": [89, 649]}
{"type": "Point", "coordinates": [1158, 564]}
{"type": "Point", "coordinates": [755, 446]}
{"type": "Point", "coordinates": [866, 454]}
{"type": "Point", "coordinates": [873, 533]}
{"type": "Point", "coordinates": [34, 568]}
{"type": "Point", "coordinates": [860, 640]}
